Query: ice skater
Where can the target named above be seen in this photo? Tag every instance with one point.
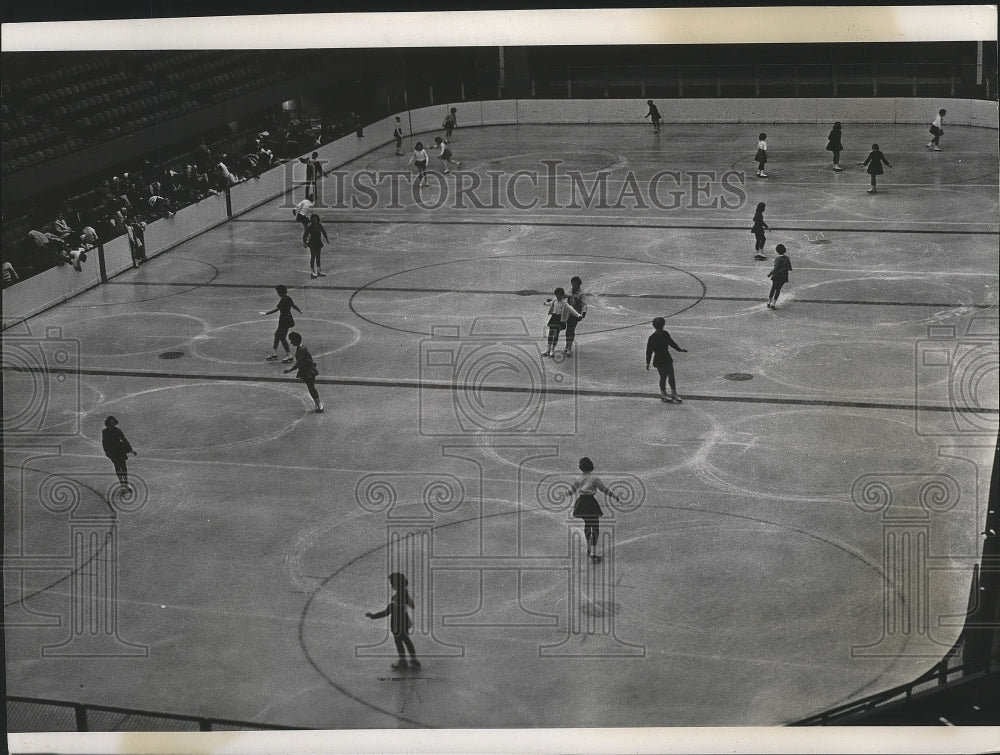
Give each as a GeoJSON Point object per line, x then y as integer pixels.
{"type": "Point", "coordinates": [658, 347]}
{"type": "Point", "coordinates": [778, 275]}
{"type": "Point", "coordinates": [301, 211]}
{"type": "Point", "coordinates": [313, 238]}
{"type": "Point", "coordinates": [833, 145]}
{"type": "Point", "coordinates": [654, 114]}
{"type": "Point", "coordinates": [397, 134]}
{"type": "Point", "coordinates": [559, 313]}
{"type": "Point", "coordinates": [577, 299]}
{"type": "Point", "coordinates": [419, 159]}
{"type": "Point", "coordinates": [761, 155]}
{"type": "Point", "coordinates": [285, 323]}
{"type": "Point", "coordinates": [758, 228]}
{"type": "Point", "coordinates": [314, 170]}
{"type": "Point", "coordinates": [305, 369]}
{"type": "Point", "coordinates": [450, 124]}
{"type": "Point", "coordinates": [117, 448]}
{"type": "Point", "coordinates": [399, 620]}
{"type": "Point", "coordinates": [937, 129]}
{"type": "Point", "coordinates": [586, 507]}
{"type": "Point", "coordinates": [445, 154]}
{"type": "Point", "coordinates": [874, 162]}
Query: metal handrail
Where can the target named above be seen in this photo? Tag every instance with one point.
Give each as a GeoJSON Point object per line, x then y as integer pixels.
{"type": "Point", "coordinates": [205, 723]}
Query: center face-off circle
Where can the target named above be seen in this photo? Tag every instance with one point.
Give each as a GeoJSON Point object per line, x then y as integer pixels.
{"type": "Point", "coordinates": [624, 292]}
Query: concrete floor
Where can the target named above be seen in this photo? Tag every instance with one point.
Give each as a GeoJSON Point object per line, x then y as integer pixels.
{"type": "Point", "coordinates": [792, 541]}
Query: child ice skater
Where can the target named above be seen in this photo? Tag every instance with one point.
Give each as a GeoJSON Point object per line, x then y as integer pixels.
{"type": "Point", "coordinates": [586, 507]}
{"type": "Point", "coordinates": [301, 210]}
{"type": "Point", "coordinates": [450, 122]}
{"type": "Point", "coordinates": [445, 154]}
{"type": "Point", "coordinates": [654, 114]}
{"type": "Point", "coordinates": [399, 620]}
{"type": "Point", "coordinates": [419, 159]}
{"type": "Point", "coordinates": [658, 347]}
{"type": "Point", "coordinates": [285, 323]}
{"type": "Point", "coordinates": [937, 129]}
{"type": "Point", "coordinates": [761, 155]}
{"type": "Point", "coordinates": [117, 448]}
{"type": "Point", "coordinates": [397, 134]}
{"type": "Point", "coordinates": [874, 162]}
{"type": "Point", "coordinates": [758, 231]}
{"type": "Point", "coordinates": [313, 238]}
{"type": "Point", "coordinates": [305, 369]}
{"type": "Point", "coordinates": [778, 275]}
{"type": "Point", "coordinates": [833, 145]}
{"type": "Point", "coordinates": [559, 312]}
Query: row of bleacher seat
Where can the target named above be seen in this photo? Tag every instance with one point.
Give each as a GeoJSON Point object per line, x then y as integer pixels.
{"type": "Point", "coordinates": [86, 101]}
{"type": "Point", "coordinates": [59, 94]}
{"type": "Point", "coordinates": [75, 72]}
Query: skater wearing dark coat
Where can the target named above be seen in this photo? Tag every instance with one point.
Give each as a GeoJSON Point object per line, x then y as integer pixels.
{"type": "Point", "coordinates": [658, 347]}
{"type": "Point", "coordinates": [654, 114]}
{"type": "Point", "coordinates": [833, 145]}
{"type": "Point", "coordinates": [117, 448]}
{"type": "Point", "coordinates": [758, 231]}
{"type": "Point", "coordinates": [778, 275]}
{"type": "Point", "coordinates": [874, 162]}
{"type": "Point", "coordinates": [399, 620]}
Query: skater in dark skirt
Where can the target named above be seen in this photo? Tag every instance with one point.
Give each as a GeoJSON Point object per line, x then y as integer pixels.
{"type": "Point", "coordinates": [658, 347]}
{"type": "Point", "coordinates": [559, 313]}
{"type": "Point", "coordinates": [778, 275]}
{"type": "Point", "coordinates": [397, 134]}
{"type": "Point", "coordinates": [833, 145]}
{"type": "Point", "coordinates": [313, 238]}
{"type": "Point", "coordinates": [399, 620]}
{"type": "Point", "coordinates": [305, 369]}
{"type": "Point", "coordinates": [450, 122]}
{"type": "Point", "coordinates": [587, 508]}
{"type": "Point", "coordinates": [445, 154]}
{"type": "Point", "coordinates": [419, 159]}
{"type": "Point", "coordinates": [761, 155]}
{"type": "Point", "coordinates": [874, 162]}
{"type": "Point", "coordinates": [654, 114]}
{"type": "Point", "coordinates": [577, 299]}
{"type": "Point", "coordinates": [285, 323]}
{"type": "Point", "coordinates": [757, 230]}
{"type": "Point", "coordinates": [117, 448]}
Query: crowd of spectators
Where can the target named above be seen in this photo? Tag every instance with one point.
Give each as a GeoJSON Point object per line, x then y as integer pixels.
{"type": "Point", "coordinates": [126, 202]}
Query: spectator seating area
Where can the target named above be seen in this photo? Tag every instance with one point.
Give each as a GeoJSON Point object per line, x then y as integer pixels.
{"type": "Point", "coordinates": [124, 202]}
{"type": "Point", "coordinates": [53, 108]}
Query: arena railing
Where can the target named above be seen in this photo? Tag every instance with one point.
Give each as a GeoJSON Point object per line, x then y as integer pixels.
{"type": "Point", "coordinates": [35, 714]}
{"type": "Point", "coordinates": [763, 80]}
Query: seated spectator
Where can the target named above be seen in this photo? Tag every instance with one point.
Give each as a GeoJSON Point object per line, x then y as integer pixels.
{"type": "Point", "coordinates": [10, 276]}
{"type": "Point", "coordinates": [223, 178]}
{"type": "Point", "coordinates": [47, 242]}
{"type": "Point", "coordinates": [160, 206]}
{"type": "Point", "coordinates": [248, 165]}
{"type": "Point", "coordinates": [88, 237]}
{"type": "Point", "coordinates": [62, 227]}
